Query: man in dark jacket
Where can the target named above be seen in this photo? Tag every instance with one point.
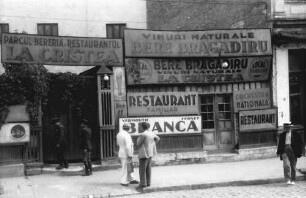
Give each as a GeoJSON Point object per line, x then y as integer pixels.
{"type": "Point", "coordinates": [60, 143]}
{"type": "Point", "coordinates": [290, 147]}
{"type": "Point", "coordinates": [86, 146]}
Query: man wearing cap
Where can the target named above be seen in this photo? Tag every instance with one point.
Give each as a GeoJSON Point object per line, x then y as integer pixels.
{"type": "Point", "coordinates": [60, 143]}
{"type": "Point", "coordinates": [290, 147]}
{"type": "Point", "coordinates": [86, 146]}
{"type": "Point", "coordinates": [146, 144]}
{"type": "Point", "coordinates": [126, 150]}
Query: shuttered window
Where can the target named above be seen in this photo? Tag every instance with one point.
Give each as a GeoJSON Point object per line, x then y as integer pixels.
{"type": "Point", "coordinates": [48, 29]}
{"type": "Point", "coordinates": [115, 31]}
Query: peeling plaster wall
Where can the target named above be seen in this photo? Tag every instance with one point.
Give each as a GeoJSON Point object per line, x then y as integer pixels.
{"type": "Point", "coordinates": [209, 14]}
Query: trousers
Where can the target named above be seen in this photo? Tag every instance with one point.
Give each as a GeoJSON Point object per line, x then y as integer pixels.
{"type": "Point", "coordinates": [289, 163]}
{"type": "Point", "coordinates": [145, 171]}
{"type": "Point", "coordinates": [126, 177]}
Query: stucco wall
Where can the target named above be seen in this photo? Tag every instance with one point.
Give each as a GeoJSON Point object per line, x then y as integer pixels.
{"type": "Point", "coordinates": [86, 18]}
{"type": "Point", "coordinates": [209, 14]}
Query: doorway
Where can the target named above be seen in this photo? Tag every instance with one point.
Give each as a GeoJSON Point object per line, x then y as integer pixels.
{"type": "Point", "coordinates": [217, 122]}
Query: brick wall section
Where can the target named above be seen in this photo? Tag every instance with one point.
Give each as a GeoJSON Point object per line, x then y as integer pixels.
{"type": "Point", "coordinates": [207, 14]}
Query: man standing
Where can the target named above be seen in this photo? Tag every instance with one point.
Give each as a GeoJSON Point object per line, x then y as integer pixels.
{"type": "Point", "coordinates": [60, 143]}
{"type": "Point", "coordinates": [290, 147]}
{"type": "Point", "coordinates": [146, 144]}
{"type": "Point", "coordinates": [86, 146]}
{"type": "Point", "coordinates": [126, 150]}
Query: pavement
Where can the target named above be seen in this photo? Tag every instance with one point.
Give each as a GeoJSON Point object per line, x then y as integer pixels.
{"type": "Point", "coordinates": [69, 183]}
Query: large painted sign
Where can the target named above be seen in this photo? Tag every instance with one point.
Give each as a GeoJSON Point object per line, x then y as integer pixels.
{"type": "Point", "coordinates": [14, 133]}
{"type": "Point", "coordinates": [164, 125]}
{"type": "Point", "coordinates": [252, 99]}
{"type": "Point", "coordinates": [256, 120]}
{"type": "Point", "coordinates": [162, 103]}
{"type": "Point", "coordinates": [212, 43]}
{"type": "Point", "coordinates": [55, 50]}
{"type": "Point", "coordinates": [204, 70]}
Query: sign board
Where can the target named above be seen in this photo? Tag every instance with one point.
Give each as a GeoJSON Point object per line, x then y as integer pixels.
{"type": "Point", "coordinates": [165, 125]}
{"type": "Point", "coordinates": [211, 43]}
{"type": "Point", "coordinates": [15, 133]}
{"type": "Point", "coordinates": [252, 99]}
{"type": "Point", "coordinates": [204, 70]}
{"type": "Point", "coordinates": [61, 50]}
{"type": "Point", "coordinates": [162, 103]}
{"type": "Point", "coordinates": [256, 120]}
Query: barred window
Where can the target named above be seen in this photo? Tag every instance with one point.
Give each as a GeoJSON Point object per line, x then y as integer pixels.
{"type": "Point", "coordinates": [48, 29]}
{"type": "Point", "coordinates": [115, 31]}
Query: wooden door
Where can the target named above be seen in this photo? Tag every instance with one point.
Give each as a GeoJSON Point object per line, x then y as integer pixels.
{"type": "Point", "coordinates": [217, 122]}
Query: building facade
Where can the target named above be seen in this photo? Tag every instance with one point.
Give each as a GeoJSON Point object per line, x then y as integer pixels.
{"type": "Point", "coordinates": [289, 60]}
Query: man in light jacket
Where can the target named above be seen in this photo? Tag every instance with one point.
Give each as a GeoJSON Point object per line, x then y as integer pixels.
{"type": "Point", "coordinates": [126, 150]}
{"type": "Point", "coordinates": [146, 144]}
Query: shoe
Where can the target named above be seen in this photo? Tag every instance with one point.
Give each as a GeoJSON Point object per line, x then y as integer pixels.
{"type": "Point", "coordinates": [292, 183]}
{"type": "Point", "coordinates": [139, 188]}
{"type": "Point", "coordinates": [134, 182]}
{"type": "Point", "coordinates": [59, 167]}
{"type": "Point", "coordinates": [288, 182]}
{"type": "Point", "coordinates": [67, 166]}
{"type": "Point", "coordinates": [124, 184]}
{"type": "Point", "coordinates": [85, 174]}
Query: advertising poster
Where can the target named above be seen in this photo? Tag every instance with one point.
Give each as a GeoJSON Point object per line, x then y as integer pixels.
{"type": "Point", "coordinates": [15, 133]}
{"type": "Point", "coordinates": [61, 50]}
{"type": "Point", "coordinates": [257, 120]}
{"type": "Point", "coordinates": [164, 125]}
{"type": "Point", "coordinates": [204, 70]}
{"type": "Point", "coordinates": [162, 103]}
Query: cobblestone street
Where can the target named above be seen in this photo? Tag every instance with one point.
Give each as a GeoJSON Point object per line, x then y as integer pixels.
{"type": "Point", "coordinates": [267, 191]}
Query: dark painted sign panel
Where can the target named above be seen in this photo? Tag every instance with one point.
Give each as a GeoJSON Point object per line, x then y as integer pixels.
{"type": "Point", "coordinates": [60, 50]}
{"type": "Point", "coordinates": [162, 103]}
{"type": "Point", "coordinates": [212, 43]}
{"type": "Point", "coordinates": [252, 99]}
{"type": "Point", "coordinates": [204, 70]}
{"type": "Point", "coordinates": [256, 120]}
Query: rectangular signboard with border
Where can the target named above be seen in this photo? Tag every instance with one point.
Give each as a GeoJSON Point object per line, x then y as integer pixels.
{"type": "Point", "coordinates": [258, 120]}
{"type": "Point", "coordinates": [252, 99]}
{"type": "Point", "coordinates": [210, 43]}
{"type": "Point", "coordinates": [14, 133]}
{"type": "Point", "coordinates": [61, 50]}
{"type": "Point", "coordinates": [164, 125]}
{"type": "Point", "coordinates": [200, 70]}
{"type": "Point", "coordinates": [162, 103]}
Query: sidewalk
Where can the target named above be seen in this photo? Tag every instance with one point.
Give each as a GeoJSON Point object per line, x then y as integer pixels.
{"type": "Point", "coordinates": [70, 184]}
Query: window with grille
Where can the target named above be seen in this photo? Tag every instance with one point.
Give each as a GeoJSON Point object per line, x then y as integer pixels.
{"type": "Point", "coordinates": [4, 28]}
{"type": "Point", "coordinates": [207, 112]}
{"type": "Point", "coordinates": [115, 31]}
{"type": "Point", "coordinates": [48, 29]}
{"type": "Point", "coordinates": [225, 112]}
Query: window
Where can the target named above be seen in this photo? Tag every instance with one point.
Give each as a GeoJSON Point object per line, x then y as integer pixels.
{"type": "Point", "coordinates": [297, 75]}
{"type": "Point", "coordinates": [48, 29]}
{"type": "Point", "coordinates": [207, 112]}
{"type": "Point", "coordinates": [4, 28]}
{"type": "Point", "coordinates": [115, 31]}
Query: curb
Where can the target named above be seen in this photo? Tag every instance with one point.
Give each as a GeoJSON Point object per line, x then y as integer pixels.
{"type": "Point", "coordinates": [195, 187]}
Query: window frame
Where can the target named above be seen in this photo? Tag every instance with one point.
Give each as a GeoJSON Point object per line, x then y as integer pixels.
{"type": "Point", "coordinates": [1, 29]}
{"type": "Point", "coordinates": [45, 25]}
{"type": "Point", "coordinates": [118, 34]}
